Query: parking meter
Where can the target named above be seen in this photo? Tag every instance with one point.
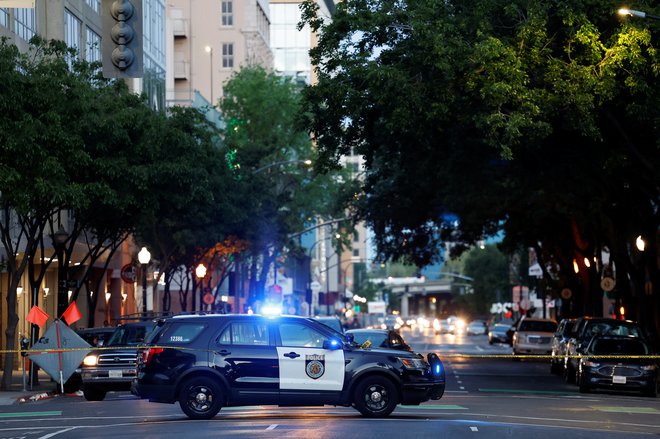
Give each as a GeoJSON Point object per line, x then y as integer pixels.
{"type": "Point", "coordinates": [25, 345]}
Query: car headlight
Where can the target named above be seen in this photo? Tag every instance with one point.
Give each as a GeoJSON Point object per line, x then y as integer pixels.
{"type": "Point", "coordinates": [413, 363]}
{"type": "Point", "coordinates": [91, 360]}
{"type": "Point", "coordinates": [649, 367]}
{"type": "Point", "coordinates": [590, 363]}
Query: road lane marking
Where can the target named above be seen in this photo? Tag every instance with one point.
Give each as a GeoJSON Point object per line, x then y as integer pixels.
{"type": "Point", "coordinates": [29, 414]}
{"type": "Point", "coordinates": [474, 429]}
{"type": "Point", "coordinates": [272, 427]}
{"type": "Point", "coordinates": [545, 392]}
{"type": "Point", "coordinates": [631, 410]}
{"type": "Point", "coordinates": [55, 433]}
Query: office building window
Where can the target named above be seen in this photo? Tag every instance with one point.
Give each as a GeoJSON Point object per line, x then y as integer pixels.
{"type": "Point", "coordinates": [94, 4]}
{"type": "Point", "coordinates": [356, 252]}
{"type": "Point", "coordinates": [228, 55]}
{"type": "Point", "coordinates": [25, 23]}
{"type": "Point", "coordinates": [227, 13]}
{"type": "Point", "coordinates": [92, 45]}
{"type": "Point", "coordinates": [72, 31]}
{"type": "Point", "coordinates": [4, 17]}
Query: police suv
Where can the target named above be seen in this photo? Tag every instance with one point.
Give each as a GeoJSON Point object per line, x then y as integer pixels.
{"type": "Point", "coordinates": [206, 362]}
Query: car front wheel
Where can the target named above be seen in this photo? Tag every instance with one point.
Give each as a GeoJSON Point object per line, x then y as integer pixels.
{"type": "Point", "coordinates": [93, 394]}
{"type": "Point", "coordinates": [376, 397]}
{"type": "Point", "coordinates": [200, 398]}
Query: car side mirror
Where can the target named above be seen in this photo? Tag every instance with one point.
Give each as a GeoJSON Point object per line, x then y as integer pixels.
{"type": "Point", "coordinates": [333, 344]}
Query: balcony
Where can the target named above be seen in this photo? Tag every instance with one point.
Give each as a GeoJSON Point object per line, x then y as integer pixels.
{"type": "Point", "coordinates": [180, 28]}
{"type": "Point", "coordinates": [181, 70]}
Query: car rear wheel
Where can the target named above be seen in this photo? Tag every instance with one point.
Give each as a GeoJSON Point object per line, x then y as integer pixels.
{"type": "Point", "coordinates": [376, 397]}
{"type": "Point", "coordinates": [582, 386]}
{"type": "Point", "coordinates": [93, 394]}
{"type": "Point", "coordinates": [200, 398]}
{"type": "Point", "coordinates": [568, 373]}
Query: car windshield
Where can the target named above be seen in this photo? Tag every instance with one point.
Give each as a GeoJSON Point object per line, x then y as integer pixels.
{"type": "Point", "coordinates": [376, 339]}
{"type": "Point", "coordinates": [129, 335]}
{"type": "Point", "coordinates": [611, 328]}
{"type": "Point", "coordinates": [537, 326]}
{"type": "Point", "coordinates": [604, 346]}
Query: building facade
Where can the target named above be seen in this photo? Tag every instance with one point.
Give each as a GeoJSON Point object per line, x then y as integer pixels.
{"type": "Point", "coordinates": [209, 40]}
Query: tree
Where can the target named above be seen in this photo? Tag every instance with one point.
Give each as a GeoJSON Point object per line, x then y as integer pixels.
{"type": "Point", "coordinates": [489, 269]}
{"type": "Point", "coordinates": [267, 150]}
{"type": "Point", "coordinates": [537, 118]}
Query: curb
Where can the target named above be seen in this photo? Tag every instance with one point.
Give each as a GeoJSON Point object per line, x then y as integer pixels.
{"type": "Point", "coordinates": [46, 395]}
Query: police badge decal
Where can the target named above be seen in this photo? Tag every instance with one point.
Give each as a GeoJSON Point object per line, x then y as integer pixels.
{"type": "Point", "coordinates": [315, 366]}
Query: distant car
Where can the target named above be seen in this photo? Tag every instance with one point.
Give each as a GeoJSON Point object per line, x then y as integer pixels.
{"type": "Point", "coordinates": [634, 372]}
{"type": "Point", "coordinates": [476, 327]}
{"type": "Point", "coordinates": [533, 336]}
{"type": "Point", "coordinates": [392, 322]}
{"type": "Point", "coordinates": [499, 333]}
{"type": "Point", "coordinates": [559, 340]}
{"type": "Point", "coordinates": [379, 338]}
{"type": "Point", "coordinates": [332, 322]}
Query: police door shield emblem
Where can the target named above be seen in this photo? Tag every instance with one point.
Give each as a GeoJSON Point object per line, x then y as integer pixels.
{"type": "Point", "coordinates": [315, 366]}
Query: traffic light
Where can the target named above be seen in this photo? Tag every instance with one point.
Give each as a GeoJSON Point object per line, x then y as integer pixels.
{"type": "Point", "coordinates": [122, 38]}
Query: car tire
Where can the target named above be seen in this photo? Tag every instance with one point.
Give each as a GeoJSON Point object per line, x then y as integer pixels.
{"type": "Point", "coordinates": [554, 367]}
{"type": "Point", "coordinates": [582, 386]}
{"type": "Point", "coordinates": [200, 398]}
{"type": "Point", "coordinates": [653, 390]}
{"type": "Point", "coordinates": [92, 393]}
{"type": "Point", "coordinates": [568, 374]}
{"type": "Point", "coordinates": [375, 397]}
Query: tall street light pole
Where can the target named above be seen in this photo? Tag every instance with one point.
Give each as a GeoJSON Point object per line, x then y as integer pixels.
{"type": "Point", "coordinates": [59, 239]}
{"type": "Point", "coordinates": [209, 50]}
{"type": "Point", "coordinates": [144, 257]}
{"type": "Point", "coordinates": [200, 272]}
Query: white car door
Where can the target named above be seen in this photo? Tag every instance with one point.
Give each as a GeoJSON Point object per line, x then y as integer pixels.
{"type": "Point", "coordinates": [304, 364]}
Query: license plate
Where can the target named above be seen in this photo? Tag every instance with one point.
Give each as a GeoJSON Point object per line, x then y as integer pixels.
{"type": "Point", "coordinates": [118, 374]}
{"type": "Point", "coordinates": [618, 380]}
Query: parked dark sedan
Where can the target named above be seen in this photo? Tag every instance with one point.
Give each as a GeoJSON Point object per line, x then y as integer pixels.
{"type": "Point", "coordinates": [499, 333]}
{"type": "Point", "coordinates": [379, 338]}
{"type": "Point", "coordinates": [631, 371]}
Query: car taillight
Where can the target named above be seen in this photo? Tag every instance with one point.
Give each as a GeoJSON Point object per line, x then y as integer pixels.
{"type": "Point", "coordinates": [149, 353]}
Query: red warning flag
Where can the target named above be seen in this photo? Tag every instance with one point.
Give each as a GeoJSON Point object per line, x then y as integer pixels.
{"type": "Point", "coordinates": [37, 316]}
{"type": "Point", "coordinates": [72, 314]}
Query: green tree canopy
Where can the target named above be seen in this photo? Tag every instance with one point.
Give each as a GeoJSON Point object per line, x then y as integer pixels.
{"type": "Point", "coordinates": [538, 118]}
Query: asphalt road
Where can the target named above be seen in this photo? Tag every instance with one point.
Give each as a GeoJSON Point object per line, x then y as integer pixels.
{"type": "Point", "coordinates": [486, 398]}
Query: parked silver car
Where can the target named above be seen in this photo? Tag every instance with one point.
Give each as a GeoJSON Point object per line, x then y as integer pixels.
{"type": "Point", "coordinates": [533, 336]}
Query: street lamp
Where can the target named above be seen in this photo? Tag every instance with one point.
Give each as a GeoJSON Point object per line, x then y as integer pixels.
{"type": "Point", "coordinates": [144, 257]}
{"type": "Point", "coordinates": [200, 272]}
{"type": "Point", "coordinates": [209, 50]}
{"type": "Point", "coordinates": [306, 162]}
{"type": "Point", "coordinates": [640, 14]}
{"type": "Point", "coordinates": [59, 239]}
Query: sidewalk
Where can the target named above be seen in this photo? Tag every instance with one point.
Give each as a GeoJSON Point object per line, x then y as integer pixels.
{"type": "Point", "coordinates": [46, 388]}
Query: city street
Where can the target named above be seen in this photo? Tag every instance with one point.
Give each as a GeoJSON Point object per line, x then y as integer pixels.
{"type": "Point", "coordinates": [486, 397]}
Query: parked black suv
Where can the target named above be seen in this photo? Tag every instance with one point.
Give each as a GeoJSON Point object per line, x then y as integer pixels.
{"type": "Point", "coordinates": [206, 362]}
{"type": "Point", "coordinates": [114, 366]}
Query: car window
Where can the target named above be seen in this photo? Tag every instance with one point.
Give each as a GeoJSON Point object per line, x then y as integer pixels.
{"type": "Point", "coordinates": [245, 333]}
{"type": "Point", "coordinates": [624, 347]}
{"type": "Point", "coordinates": [179, 333]}
{"type": "Point", "coordinates": [298, 335]}
{"type": "Point", "coordinates": [535, 326]}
